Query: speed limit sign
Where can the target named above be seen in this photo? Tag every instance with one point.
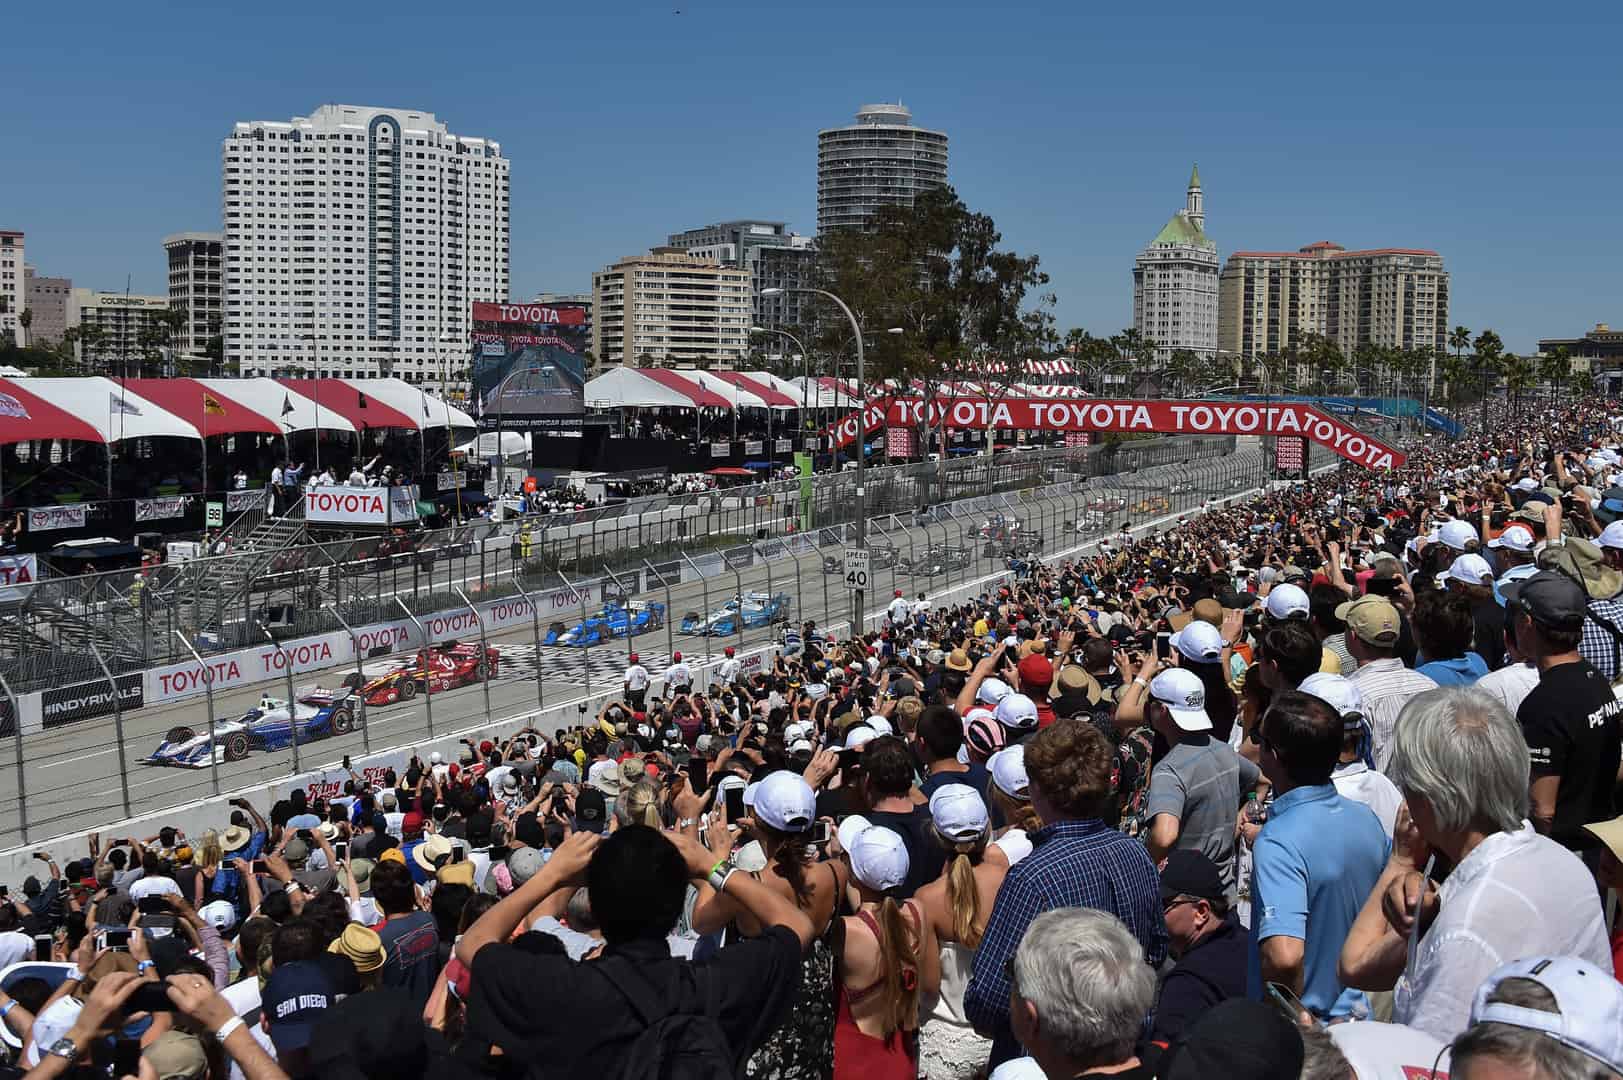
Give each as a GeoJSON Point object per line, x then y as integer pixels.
{"type": "Point", "coordinates": [856, 568]}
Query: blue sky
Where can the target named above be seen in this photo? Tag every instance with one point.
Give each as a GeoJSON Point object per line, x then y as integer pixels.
{"type": "Point", "coordinates": [1490, 138]}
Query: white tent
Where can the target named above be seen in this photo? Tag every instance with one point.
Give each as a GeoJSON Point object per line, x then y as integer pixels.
{"type": "Point", "coordinates": [400, 395]}
{"type": "Point", "coordinates": [627, 388]}
{"type": "Point", "coordinates": [116, 413]}
{"type": "Point", "coordinates": [513, 444]}
{"type": "Point", "coordinates": [267, 397]}
{"type": "Point", "coordinates": [781, 385]}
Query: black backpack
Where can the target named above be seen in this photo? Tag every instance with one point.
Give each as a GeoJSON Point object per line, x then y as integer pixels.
{"type": "Point", "coordinates": [672, 1045]}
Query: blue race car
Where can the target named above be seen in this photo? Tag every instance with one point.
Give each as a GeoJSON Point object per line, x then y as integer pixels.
{"type": "Point", "coordinates": [272, 725]}
{"type": "Point", "coordinates": [754, 609]}
{"type": "Point", "coordinates": [613, 621]}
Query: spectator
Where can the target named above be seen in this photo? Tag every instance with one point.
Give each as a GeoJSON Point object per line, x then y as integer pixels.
{"type": "Point", "coordinates": [1602, 582]}
{"type": "Point", "coordinates": [1206, 939]}
{"type": "Point", "coordinates": [958, 905]}
{"type": "Point", "coordinates": [540, 1007]}
{"type": "Point", "coordinates": [1076, 861]}
{"type": "Point", "coordinates": [1315, 860]}
{"type": "Point", "coordinates": [1515, 680]}
{"type": "Point", "coordinates": [1080, 990]}
{"type": "Point", "coordinates": [1197, 788]}
{"type": "Point", "coordinates": [410, 939]}
{"type": "Point", "coordinates": [1354, 777]}
{"type": "Point", "coordinates": [1570, 720]}
{"type": "Point", "coordinates": [1444, 631]}
{"type": "Point", "coordinates": [1462, 766]}
{"type": "Point", "coordinates": [1384, 683]}
{"type": "Point", "coordinates": [1543, 1018]}
{"type": "Point", "coordinates": [941, 737]}
{"type": "Point", "coordinates": [1236, 1038]}
{"type": "Point", "coordinates": [887, 770]}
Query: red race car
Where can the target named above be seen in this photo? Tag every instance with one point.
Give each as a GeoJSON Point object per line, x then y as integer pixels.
{"type": "Point", "coordinates": [436, 669]}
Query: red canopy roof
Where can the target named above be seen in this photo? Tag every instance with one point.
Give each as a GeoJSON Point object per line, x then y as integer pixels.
{"type": "Point", "coordinates": [186, 399]}
{"type": "Point", "coordinates": [352, 403]}
{"type": "Point", "coordinates": [728, 470]}
{"type": "Point", "coordinates": [25, 417]}
{"type": "Point", "coordinates": [768, 393]}
{"type": "Point", "coordinates": [688, 388]}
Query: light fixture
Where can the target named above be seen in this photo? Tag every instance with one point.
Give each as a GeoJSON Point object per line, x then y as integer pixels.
{"type": "Point", "coordinates": [773, 291]}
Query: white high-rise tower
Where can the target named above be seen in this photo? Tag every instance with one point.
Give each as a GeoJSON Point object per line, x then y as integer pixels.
{"type": "Point", "coordinates": [357, 240]}
{"type": "Point", "coordinates": [1175, 283]}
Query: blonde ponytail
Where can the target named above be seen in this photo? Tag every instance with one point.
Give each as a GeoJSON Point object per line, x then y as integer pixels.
{"type": "Point", "coordinates": [900, 957]}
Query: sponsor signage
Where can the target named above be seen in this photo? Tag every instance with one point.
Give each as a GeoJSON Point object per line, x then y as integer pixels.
{"type": "Point", "coordinates": [82, 701]}
{"type": "Point", "coordinates": [46, 518]}
{"type": "Point", "coordinates": [528, 366]}
{"type": "Point", "coordinates": [562, 315]}
{"type": "Point", "coordinates": [214, 515]}
{"type": "Point", "coordinates": [1290, 453]}
{"type": "Point", "coordinates": [782, 446]}
{"type": "Point", "coordinates": [344, 505]}
{"type": "Point", "coordinates": [1168, 417]}
{"type": "Point", "coordinates": [159, 509]}
{"type": "Point", "coordinates": [720, 449]}
{"type": "Point", "coordinates": [17, 572]}
{"type": "Point", "coordinates": [450, 481]}
{"type": "Point", "coordinates": [238, 501]}
{"type": "Point", "coordinates": [754, 446]}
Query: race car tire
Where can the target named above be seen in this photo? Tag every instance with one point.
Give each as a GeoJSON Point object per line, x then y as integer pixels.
{"type": "Point", "coordinates": [179, 734]}
{"type": "Point", "coordinates": [353, 681]}
{"type": "Point", "coordinates": [408, 689]}
{"type": "Point", "coordinates": [237, 746]}
{"type": "Point", "coordinates": [343, 721]}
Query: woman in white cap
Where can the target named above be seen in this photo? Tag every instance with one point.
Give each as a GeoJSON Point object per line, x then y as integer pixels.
{"type": "Point", "coordinates": [958, 903]}
{"type": "Point", "coordinates": [1011, 794]}
{"type": "Point", "coordinates": [784, 813]}
{"type": "Point", "coordinates": [889, 962]}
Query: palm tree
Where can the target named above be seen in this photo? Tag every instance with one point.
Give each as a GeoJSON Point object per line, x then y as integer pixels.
{"type": "Point", "coordinates": [25, 319]}
{"type": "Point", "coordinates": [1459, 339]}
{"type": "Point", "coordinates": [1556, 369]}
{"type": "Point", "coordinates": [1455, 371]}
{"type": "Point", "coordinates": [1490, 352]}
{"type": "Point", "coordinates": [1183, 366]}
{"type": "Point", "coordinates": [1520, 374]}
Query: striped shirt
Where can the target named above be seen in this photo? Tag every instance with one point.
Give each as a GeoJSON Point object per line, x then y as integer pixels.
{"type": "Point", "coordinates": [1072, 864]}
{"type": "Point", "coordinates": [1386, 686]}
{"type": "Point", "coordinates": [1599, 646]}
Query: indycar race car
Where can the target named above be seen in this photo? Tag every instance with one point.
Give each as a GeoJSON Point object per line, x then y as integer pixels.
{"type": "Point", "coordinates": [438, 668]}
{"type": "Point", "coordinates": [612, 621]}
{"type": "Point", "coordinates": [935, 561]}
{"type": "Point", "coordinates": [273, 724]}
{"type": "Point", "coordinates": [754, 609]}
{"type": "Point", "coordinates": [998, 527]}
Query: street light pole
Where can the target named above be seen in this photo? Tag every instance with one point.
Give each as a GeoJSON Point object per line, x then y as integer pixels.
{"type": "Point", "coordinates": [805, 369]}
{"type": "Point", "coordinates": [862, 438]}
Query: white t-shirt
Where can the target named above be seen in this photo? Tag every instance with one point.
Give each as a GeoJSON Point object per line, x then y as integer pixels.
{"type": "Point", "coordinates": [678, 674]}
{"type": "Point", "coordinates": [1510, 684]}
{"type": "Point", "coordinates": [15, 947]}
{"type": "Point", "coordinates": [1359, 782]}
{"type": "Point", "coordinates": [395, 819]}
{"type": "Point", "coordinates": [728, 671]}
{"type": "Point", "coordinates": [636, 678]}
{"type": "Point", "coordinates": [1015, 844]}
{"type": "Point", "coordinates": [898, 611]}
{"type": "Point", "coordinates": [1379, 1051]}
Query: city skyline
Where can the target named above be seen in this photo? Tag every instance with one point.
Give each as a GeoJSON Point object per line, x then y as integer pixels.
{"type": "Point", "coordinates": [1503, 173]}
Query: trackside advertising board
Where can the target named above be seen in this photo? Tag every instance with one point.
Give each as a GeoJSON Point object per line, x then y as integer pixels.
{"type": "Point", "coordinates": [343, 505]}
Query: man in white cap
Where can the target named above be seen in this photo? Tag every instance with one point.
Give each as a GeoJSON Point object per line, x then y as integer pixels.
{"type": "Point", "coordinates": [1197, 788]}
{"type": "Point", "coordinates": [1513, 550]}
{"type": "Point", "coordinates": [1355, 776]}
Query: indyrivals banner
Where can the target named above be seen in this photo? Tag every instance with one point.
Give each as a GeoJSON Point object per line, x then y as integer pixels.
{"type": "Point", "coordinates": [1162, 417]}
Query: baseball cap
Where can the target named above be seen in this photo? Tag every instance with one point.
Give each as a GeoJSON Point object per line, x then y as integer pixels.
{"type": "Point", "coordinates": [1287, 601]}
{"type": "Point", "coordinates": [1237, 1037]}
{"type": "Point", "coordinates": [676, 657]}
{"type": "Point", "coordinates": [1371, 618]}
{"type": "Point", "coordinates": [879, 858]}
{"type": "Point", "coordinates": [958, 812]}
{"type": "Point", "coordinates": [785, 802]}
{"type": "Point", "coordinates": [880, 725]}
{"type": "Point", "coordinates": [859, 735]}
{"type": "Point", "coordinates": [295, 997]}
{"type": "Point", "coordinates": [991, 692]}
{"type": "Point", "coordinates": [1017, 712]}
{"type": "Point", "coordinates": [1470, 569]}
{"type": "Point", "coordinates": [1199, 641]}
{"type": "Point", "coordinates": [1339, 691]}
{"type": "Point", "coordinates": [1520, 538]}
{"type": "Point", "coordinates": [176, 1055]}
{"type": "Point", "coordinates": [1589, 1004]}
{"type": "Point", "coordinates": [1526, 483]}
{"type": "Point", "coordinates": [1036, 673]}
{"type": "Point", "coordinates": [591, 810]}
{"type": "Point", "coordinates": [850, 828]}
{"type": "Point", "coordinates": [633, 658]}
{"type": "Point", "coordinates": [1208, 610]}
{"type": "Point", "coordinates": [1549, 598]}
{"type": "Point", "coordinates": [525, 863]}
{"type": "Point", "coordinates": [1191, 872]}
{"type": "Point", "coordinates": [1612, 535]}
{"type": "Point", "coordinates": [1184, 695]}
{"type": "Point", "coordinates": [221, 914]}
{"type": "Point", "coordinates": [983, 735]}
{"type": "Point", "coordinates": [1457, 534]}
{"type": "Point", "coordinates": [1008, 769]}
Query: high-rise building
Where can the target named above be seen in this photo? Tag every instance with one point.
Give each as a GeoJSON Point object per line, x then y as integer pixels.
{"type": "Point", "coordinates": [357, 240]}
{"type": "Point", "coordinates": [110, 328]}
{"type": "Point", "coordinates": [881, 160]}
{"type": "Point", "coordinates": [195, 270]}
{"type": "Point", "coordinates": [1396, 297]}
{"type": "Point", "coordinates": [667, 308]}
{"type": "Point", "coordinates": [47, 298]}
{"type": "Point", "coordinates": [775, 258]}
{"type": "Point", "coordinates": [13, 287]}
{"type": "Point", "coordinates": [1175, 282]}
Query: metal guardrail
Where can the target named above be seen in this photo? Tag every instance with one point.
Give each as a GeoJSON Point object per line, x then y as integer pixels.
{"type": "Point", "coordinates": [87, 757]}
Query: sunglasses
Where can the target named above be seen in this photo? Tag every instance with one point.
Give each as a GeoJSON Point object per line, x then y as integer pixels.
{"type": "Point", "coordinates": [1168, 905]}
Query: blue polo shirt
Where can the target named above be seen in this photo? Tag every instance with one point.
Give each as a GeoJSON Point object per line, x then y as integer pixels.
{"type": "Point", "coordinates": [1317, 858]}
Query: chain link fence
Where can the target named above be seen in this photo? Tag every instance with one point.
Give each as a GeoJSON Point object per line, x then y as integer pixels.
{"type": "Point", "coordinates": [384, 641]}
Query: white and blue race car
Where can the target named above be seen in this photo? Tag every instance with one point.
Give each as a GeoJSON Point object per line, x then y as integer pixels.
{"type": "Point", "coordinates": [752, 609]}
{"type": "Point", "coordinates": [272, 725]}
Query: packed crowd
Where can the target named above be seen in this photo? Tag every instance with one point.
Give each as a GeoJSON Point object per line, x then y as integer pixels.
{"type": "Point", "coordinates": [1322, 785]}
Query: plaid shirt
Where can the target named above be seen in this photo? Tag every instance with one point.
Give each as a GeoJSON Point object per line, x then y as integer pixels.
{"type": "Point", "coordinates": [1599, 646]}
{"type": "Point", "coordinates": [1072, 864]}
